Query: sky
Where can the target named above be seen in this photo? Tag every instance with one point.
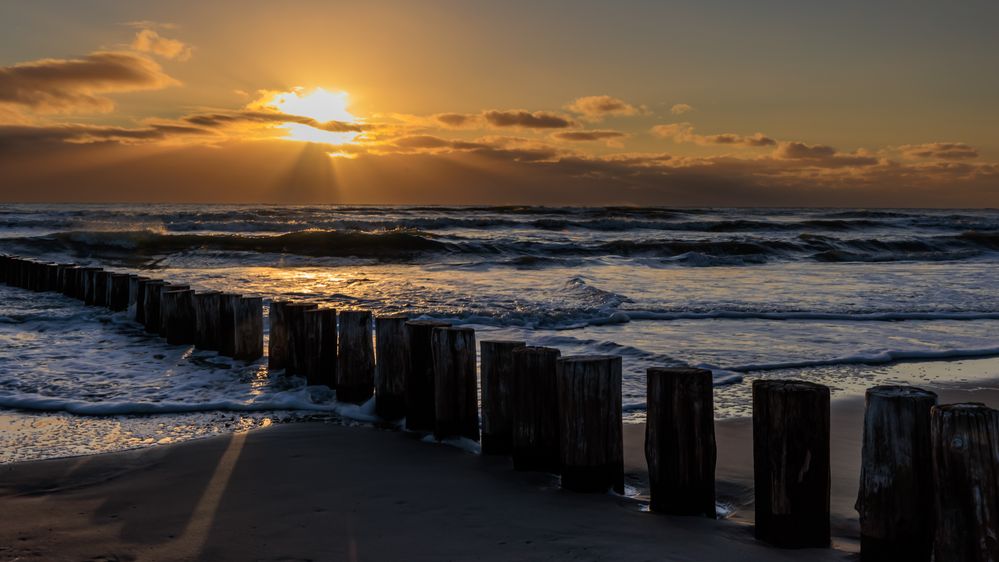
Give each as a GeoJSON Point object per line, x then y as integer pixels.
{"type": "Point", "coordinates": [683, 103]}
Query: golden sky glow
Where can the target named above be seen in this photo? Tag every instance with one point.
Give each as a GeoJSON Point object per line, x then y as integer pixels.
{"type": "Point", "coordinates": [636, 104]}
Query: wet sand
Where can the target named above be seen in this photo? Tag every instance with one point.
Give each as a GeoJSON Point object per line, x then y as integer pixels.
{"type": "Point", "coordinates": [323, 491]}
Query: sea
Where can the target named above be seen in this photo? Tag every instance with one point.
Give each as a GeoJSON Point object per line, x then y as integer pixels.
{"type": "Point", "coordinates": [844, 297]}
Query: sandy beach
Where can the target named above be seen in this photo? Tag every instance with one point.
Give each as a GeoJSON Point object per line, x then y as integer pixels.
{"type": "Point", "coordinates": [324, 491]}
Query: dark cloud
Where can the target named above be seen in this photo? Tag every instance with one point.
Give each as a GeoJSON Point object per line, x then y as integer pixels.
{"type": "Point", "coordinates": [526, 119]}
{"type": "Point", "coordinates": [222, 119]}
{"type": "Point", "coordinates": [940, 151]}
{"type": "Point", "coordinates": [802, 151]}
{"type": "Point", "coordinates": [27, 135]}
{"type": "Point", "coordinates": [456, 120]}
{"type": "Point", "coordinates": [583, 136]}
{"type": "Point", "coordinates": [759, 139]}
{"type": "Point", "coordinates": [78, 85]}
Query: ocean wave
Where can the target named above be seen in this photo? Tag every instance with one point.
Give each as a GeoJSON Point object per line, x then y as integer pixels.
{"type": "Point", "coordinates": [868, 358]}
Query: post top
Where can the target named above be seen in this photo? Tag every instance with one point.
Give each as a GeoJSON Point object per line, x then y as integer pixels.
{"type": "Point", "coordinates": [677, 371]}
{"type": "Point", "coordinates": [503, 343]}
{"type": "Point", "coordinates": [899, 391]}
{"type": "Point", "coordinates": [964, 407]}
{"type": "Point", "coordinates": [588, 358]}
{"type": "Point", "coordinates": [788, 385]}
{"type": "Point", "coordinates": [429, 323]}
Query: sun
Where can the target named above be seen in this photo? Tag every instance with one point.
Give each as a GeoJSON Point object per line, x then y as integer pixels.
{"type": "Point", "coordinates": [319, 104]}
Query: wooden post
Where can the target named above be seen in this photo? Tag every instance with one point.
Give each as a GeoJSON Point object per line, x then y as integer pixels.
{"type": "Point", "coordinates": [99, 290]}
{"type": "Point", "coordinates": [141, 293]}
{"type": "Point", "coordinates": [420, 384]}
{"type": "Point", "coordinates": [151, 306]}
{"type": "Point", "coordinates": [590, 426]}
{"type": "Point", "coordinates": [680, 441]}
{"type": "Point", "coordinates": [133, 294]}
{"type": "Point", "coordinates": [277, 335]}
{"type": "Point", "coordinates": [497, 374]}
{"type": "Point", "coordinates": [965, 442]}
{"type": "Point", "coordinates": [297, 337]}
{"type": "Point", "coordinates": [249, 328]}
{"type": "Point", "coordinates": [896, 474]}
{"type": "Point", "coordinates": [177, 311]}
{"type": "Point", "coordinates": [391, 366]}
{"type": "Point", "coordinates": [791, 462]}
{"type": "Point", "coordinates": [355, 369]}
{"type": "Point", "coordinates": [163, 316]}
{"type": "Point", "coordinates": [89, 292]}
{"type": "Point", "coordinates": [118, 291]}
{"type": "Point", "coordinates": [455, 389]}
{"type": "Point", "coordinates": [67, 278]}
{"type": "Point", "coordinates": [207, 313]}
{"type": "Point", "coordinates": [228, 303]}
{"type": "Point", "coordinates": [320, 346]}
{"type": "Point", "coordinates": [534, 410]}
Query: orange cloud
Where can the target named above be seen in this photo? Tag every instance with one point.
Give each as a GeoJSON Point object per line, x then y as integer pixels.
{"type": "Point", "coordinates": [684, 132]}
{"type": "Point", "coordinates": [149, 41]}
{"type": "Point", "coordinates": [681, 108]}
{"type": "Point", "coordinates": [939, 151]}
{"type": "Point", "coordinates": [596, 108]}
{"type": "Point", "coordinates": [78, 85]}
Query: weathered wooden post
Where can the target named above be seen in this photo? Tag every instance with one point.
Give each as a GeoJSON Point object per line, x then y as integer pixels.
{"type": "Point", "coordinates": [534, 410]}
{"type": "Point", "coordinates": [67, 278]}
{"type": "Point", "coordinates": [140, 299]}
{"type": "Point", "coordinates": [965, 442]}
{"type": "Point", "coordinates": [455, 386]}
{"type": "Point", "coordinates": [118, 285]}
{"type": "Point", "coordinates": [590, 425]}
{"type": "Point", "coordinates": [791, 462]}
{"type": "Point", "coordinates": [163, 316]}
{"type": "Point", "coordinates": [249, 328]}
{"type": "Point", "coordinates": [207, 314]}
{"type": "Point", "coordinates": [133, 294]}
{"type": "Point", "coordinates": [391, 366]}
{"type": "Point", "coordinates": [99, 290]}
{"type": "Point", "coordinates": [680, 441]}
{"type": "Point", "coordinates": [89, 292]}
{"type": "Point", "coordinates": [297, 337]}
{"type": "Point", "coordinates": [277, 335]}
{"type": "Point", "coordinates": [228, 303]}
{"type": "Point", "coordinates": [896, 476]}
{"type": "Point", "coordinates": [177, 310]}
{"type": "Point", "coordinates": [151, 305]}
{"type": "Point", "coordinates": [355, 369]}
{"type": "Point", "coordinates": [497, 387]}
{"type": "Point", "coordinates": [320, 346]}
{"type": "Point", "coordinates": [420, 413]}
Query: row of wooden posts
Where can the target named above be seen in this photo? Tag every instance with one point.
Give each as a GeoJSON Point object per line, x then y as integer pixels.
{"type": "Point", "coordinates": [929, 483]}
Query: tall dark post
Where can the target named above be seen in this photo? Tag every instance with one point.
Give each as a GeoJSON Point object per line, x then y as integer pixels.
{"type": "Point", "coordinates": [965, 441]}
{"type": "Point", "coordinates": [177, 310]}
{"type": "Point", "coordinates": [163, 316]}
{"type": "Point", "coordinates": [249, 328]}
{"type": "Point", "coordinates": [590, 426]}
{"type": "Point", "coordinates": [534, 410]}
{"type": "Point", "coordinates": [296, 362]}
{"type": "Point", "coordinates": [118, 291]}
{"type": "Point", "coordinates": [207, 314]}
{"type": "Point", "coordinates": [497, 386]}
{"type": "Point", "coordinates": [228, 305]}
{"type": "Point", "coordinates": [355, 370]}
{"type": "Point", "coordinates": [455, 388]}
{"type": "Point", "coordinates": [791, 462]}
{"type": "Point", "coordinates": [320, 346]}
{"type": "Point", "coordinates": [420, 382]}
{"type": "Point", "coordinates": [151, 306]}
{"type": "Point", "coordinates": [391, 366]}
{"type": "Point", "coordinates": [896, 476]}
{"type": "Point", "coordinates": [277, 336]}
{"type": "Point", "coordinates": [680, 441]}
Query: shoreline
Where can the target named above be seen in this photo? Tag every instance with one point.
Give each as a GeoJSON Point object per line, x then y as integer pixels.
{"type": "Point", "coordinates": [395, 492]}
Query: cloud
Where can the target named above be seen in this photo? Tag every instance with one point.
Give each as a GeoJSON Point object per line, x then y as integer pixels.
{"type": "Point", "coordinates": [457, 120]}
{"type": "Point", "coordinates": [681, 108]}
{"type": "Point", "coordinates": [78, 85]}
{"type": "Point", "coordinates": [822, 155]}
{"type": "Point", "coordinates": [596, 108]}
{"type": "Point", "coordinates": [526, 119]}
{"type": "Point", "coordinates": [684, 132]}
{"type": "Point", "coordinates": [11, 135]}
{"type": "Point", "coordinates": [584, 136]}
{"type": "Point", "coordinates": [939, 151]}
{"type": "Point", "coordinates": [149, 41]}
